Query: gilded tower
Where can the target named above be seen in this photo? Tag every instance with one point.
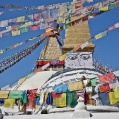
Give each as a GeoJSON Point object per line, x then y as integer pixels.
{"type": "Point", "coordinates": [51, 51]}
{"type": "Point", "coordinates": [76, 35]}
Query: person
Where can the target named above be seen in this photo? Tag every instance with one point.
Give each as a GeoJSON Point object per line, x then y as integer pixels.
{"type": "Point", "coordinates": [1, 115]}
{"type": "Point", "coordinates": [86, 99]}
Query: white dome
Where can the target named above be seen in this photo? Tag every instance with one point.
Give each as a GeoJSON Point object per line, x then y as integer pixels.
{"type": "Point", "coordinates": [36, 81]}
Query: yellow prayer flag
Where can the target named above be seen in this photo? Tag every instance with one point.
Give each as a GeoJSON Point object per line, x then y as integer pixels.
{"type": "Point", "coordinates": [116, 92]}
{"type": "Point", "coordinates": [54, 102]}
{"type": "Point", "coordinates": [15, 32]}
{"type": "Point", "coordinates": [9, 103]}
{"type": "Point", "coordinates": [104, 8]}
{"type": "Point", "coordinates": [21, 80]}
{"type": "Point", "coordinates": [98, 36]}
{"type": "Point", "coordinates": [45, 96]}
{"type": "Point", "coordinates": [62, 57]}
{"type": "Point", "coordinates": [28, 23]}
{"type": "Point", "coordinates": [4, 94]}
{"type": "Point", "coordinates": [1, 51]}
{"type": "Point", "coordinates": [73, 86]}
{"type": "Point", "coordinates": [112, 98]}
{"type": "Point", "coordinates": [20, 19]}
{"type": "Point", "coordinates": [60, 102]}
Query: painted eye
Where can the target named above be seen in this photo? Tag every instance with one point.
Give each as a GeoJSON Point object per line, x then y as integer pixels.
{"type": "Point", "coordinates": [85, 57]}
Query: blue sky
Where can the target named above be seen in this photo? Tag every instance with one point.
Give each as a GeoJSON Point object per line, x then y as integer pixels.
{"type": "Point", "coordinates": [106, 50]}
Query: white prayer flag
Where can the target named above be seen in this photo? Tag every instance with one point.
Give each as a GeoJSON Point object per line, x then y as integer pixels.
{"type": "Point", "coordinates": [1, 13]}
{"type": "Point", "coordinates": [84, 45]}
{"type": "Point", "coordinates": [4, 23]}
{"type": "Point", "coordinates": [45, 66]}
{"type": "Point", "coordinates": [116, 25]}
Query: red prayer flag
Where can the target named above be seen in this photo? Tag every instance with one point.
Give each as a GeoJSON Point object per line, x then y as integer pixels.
{"type": "Point", "coordinates": [111, 28]}
{"type": "Point", "coordinates": [117, 3]}
{"type": "Point", "coordinates": [31, 102]}
{"type": "Point", "coordinates": [106, 77]}
{"type": "Point", "coordinates": [111, 76]}
{"type": "Point", "coordinates": [14, 26]}
{"type": "Point", "coordinates": [105, 88]}
{"type": "Point", "coordinates": [34, 27]}
{"type": "Point", "coordinates": [56, 95]}
{"type": "Point", "coordinates": [76, 48]}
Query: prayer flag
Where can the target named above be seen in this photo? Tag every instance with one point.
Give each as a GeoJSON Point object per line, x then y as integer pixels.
{"type": "Point", "coordinates": [4, 23]}
{"type": "Point", "coordinates": [34, 27]}
{"type": "Point", "coordinates": [15, 32]}
{"type": "Point", "coordinates": [20, 19]}
{"type": "Point", "coordinates": [14, 26]}
{"type": "Point", "coordinates": [22, 30]}
{"type": "Point", "coordinates": [116, 25]}
{"type": "Point", "coordinates": [30, 17]}
{"type": "Point", "coordinates": [112, 98]}
{"type": "Point", "coordinates": [84, 45]}
{"type": "Point", "coordinates": [9, 103]}
{"type": "Point", "coordinates": [104, 8]}
{"type": "Point", "coordinates": [67, 25]}
{"type": "Point", "coordinates": [106, 77]}
{"type": "Point", "coordinates": [111, 27]}
{"type": "Point", "coordinates": [1, 51]}
{"type": "Point", "coordinates": [116, 92]}
{"type": "Point", "coordinates": [28, 23]}
{"type": "Point", "coordinates": [98, 36]}
{"type": "Point", "coordinates": [76, 48]}
{"type": "Point", "coordinates": [104, 33]}
{"type": "Point", "coordinates": [112, 6]}
{"type": "Point", "coordinates": [56, 95]}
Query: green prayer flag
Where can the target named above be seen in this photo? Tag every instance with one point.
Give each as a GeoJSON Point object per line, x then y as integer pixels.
{"type": "Point", "coordinates": [112, 6]}
{"type": "Point", "coordinates": [93, 81]}
{"type": "Point", "coordinates": [30, 17]}
{"type": "Point", "coordinates": [22, 30]}
{"type": "Point", "coordinates": [71, 98]}
{"type": "Point", "coordinates": [67, 25]}
{"type": "Point", "coordinates": [15, 94]}
{"type": "Point", "coordinates": [24, 98]}
{"type": "Point", "coordinates": [104, 33]}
